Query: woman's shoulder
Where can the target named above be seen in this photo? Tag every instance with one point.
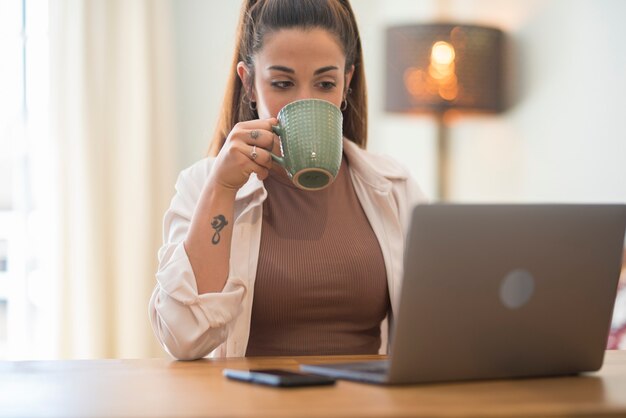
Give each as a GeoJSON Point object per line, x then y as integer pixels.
{"type": "Point", "coordinates": [381, 164]}
{"type": "Point", "coordinates": [384, 172]}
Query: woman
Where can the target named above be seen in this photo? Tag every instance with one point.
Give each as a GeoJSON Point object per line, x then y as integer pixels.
{"type": "Point", "coordinates": [252, 265]}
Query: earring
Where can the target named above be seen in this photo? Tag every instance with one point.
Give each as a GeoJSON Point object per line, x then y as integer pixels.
{"type": "Point", "coordinates": [251, 104]}
{"type": "Point", "coordinates": [344, 102]}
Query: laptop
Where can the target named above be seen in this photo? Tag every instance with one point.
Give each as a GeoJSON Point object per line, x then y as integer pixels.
{"type": "Point", "coordinates": [500, 291]}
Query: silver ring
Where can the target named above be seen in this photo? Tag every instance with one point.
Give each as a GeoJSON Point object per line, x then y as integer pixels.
{"type": "Point", "coordinates": [254, 134]}
{"type": "Point", "coordinates": [254, 154]}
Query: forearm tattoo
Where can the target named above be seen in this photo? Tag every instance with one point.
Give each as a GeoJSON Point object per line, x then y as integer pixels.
{"type": "Point", "coordinates": [218, 223]}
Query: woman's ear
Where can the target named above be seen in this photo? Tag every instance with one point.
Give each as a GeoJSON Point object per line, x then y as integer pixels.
{"type": "Point", "coordinates": [246, 80]}
{"type": "Point", "coordinates": [348, 78]}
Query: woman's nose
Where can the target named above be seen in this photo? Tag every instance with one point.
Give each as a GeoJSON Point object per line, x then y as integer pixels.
{"type": "Point", "coordinates": [305, 93]}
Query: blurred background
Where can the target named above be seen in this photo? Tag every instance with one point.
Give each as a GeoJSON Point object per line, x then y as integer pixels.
{"type": "Point", "coordinates": [103, 102]}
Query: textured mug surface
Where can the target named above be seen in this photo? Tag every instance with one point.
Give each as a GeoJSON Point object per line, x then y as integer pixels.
{"type": "Point", "coordinates": [311, 133]}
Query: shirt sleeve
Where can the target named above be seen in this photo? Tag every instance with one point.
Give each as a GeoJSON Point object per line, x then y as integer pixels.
{"type": "Point", "coordinates": [188, 325]}
{"type": "Point", "coordinates": [409, 196]}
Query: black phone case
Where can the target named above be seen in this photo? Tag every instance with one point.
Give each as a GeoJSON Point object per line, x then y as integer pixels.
{"type": "Point", "coordinates": [278, 378]}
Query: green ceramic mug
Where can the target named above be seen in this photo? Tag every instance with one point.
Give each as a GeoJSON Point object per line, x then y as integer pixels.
{"type": "Point", "coordinates": [311, 135]}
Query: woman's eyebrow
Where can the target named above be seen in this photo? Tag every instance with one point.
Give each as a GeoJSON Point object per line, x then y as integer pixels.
{"type": "Point", "coordinates": [292, 71]}
{"type": "Point", "coordinates": [282, 68]}
{"type": "Point", "coordinates": [325, 69]}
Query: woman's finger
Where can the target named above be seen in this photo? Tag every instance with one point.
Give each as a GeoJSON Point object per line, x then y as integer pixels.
{"type": "Point", "coordinates": [257, 132]}
{"type": "Point", "coordinates": [260, 156]}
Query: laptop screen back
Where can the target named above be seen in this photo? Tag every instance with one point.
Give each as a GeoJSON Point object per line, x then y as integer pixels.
{"type": "Point", "coordinates": [506, 290]}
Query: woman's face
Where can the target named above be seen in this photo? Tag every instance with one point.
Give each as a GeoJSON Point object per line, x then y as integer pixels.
{"type": "Point", "coordinates": [297, 64]}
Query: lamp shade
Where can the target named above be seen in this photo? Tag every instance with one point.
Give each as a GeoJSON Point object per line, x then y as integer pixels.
{"type": "Point", "coordinates": [437, 67]}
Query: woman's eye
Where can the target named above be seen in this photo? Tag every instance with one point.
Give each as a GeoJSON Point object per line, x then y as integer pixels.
{"type": "Point", "coordinates": [282, 84]}
{"type": "Point", "coordinates": [327, 85]}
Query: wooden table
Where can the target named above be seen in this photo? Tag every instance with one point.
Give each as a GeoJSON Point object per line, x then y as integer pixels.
{"type": "Point", "coordinates": [166, 388]}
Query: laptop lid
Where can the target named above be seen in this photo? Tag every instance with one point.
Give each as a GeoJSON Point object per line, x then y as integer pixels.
{"type": "Point", "coordinates": [500, 291]}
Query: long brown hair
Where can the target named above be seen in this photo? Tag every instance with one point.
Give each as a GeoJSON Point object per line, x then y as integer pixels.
{"type": "Point", "coordinates": [260, 17]}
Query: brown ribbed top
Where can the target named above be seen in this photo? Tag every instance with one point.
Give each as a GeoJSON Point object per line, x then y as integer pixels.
{"type": "Point", "coordinates": [321, 285]}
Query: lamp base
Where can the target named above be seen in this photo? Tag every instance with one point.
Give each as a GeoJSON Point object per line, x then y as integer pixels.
{"type": "Point", "coordinates": [443, 163]}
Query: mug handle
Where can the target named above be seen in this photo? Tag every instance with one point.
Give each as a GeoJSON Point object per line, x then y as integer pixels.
{"type": "Point", "coordinates": [280, 160]}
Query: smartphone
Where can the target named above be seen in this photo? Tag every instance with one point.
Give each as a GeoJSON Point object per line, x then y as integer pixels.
{"type": "Point", "coordinates": [278, 377]}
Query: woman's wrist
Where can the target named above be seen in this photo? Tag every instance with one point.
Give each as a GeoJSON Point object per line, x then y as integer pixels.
{"type": "Point", "coordinates": [219, 191]}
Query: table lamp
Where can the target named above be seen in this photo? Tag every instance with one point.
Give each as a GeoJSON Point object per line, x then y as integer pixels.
{"type": "Point", "coordinates": [435, 68]}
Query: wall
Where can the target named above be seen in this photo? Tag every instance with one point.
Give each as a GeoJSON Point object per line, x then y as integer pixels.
{"type": "Point", "coordinates": [562, 140]}
{"type": "Point", "coordinates": [204, 33]}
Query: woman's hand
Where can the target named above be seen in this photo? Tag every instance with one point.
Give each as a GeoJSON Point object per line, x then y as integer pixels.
{"type": "Point", "coordinates": [245, 151]}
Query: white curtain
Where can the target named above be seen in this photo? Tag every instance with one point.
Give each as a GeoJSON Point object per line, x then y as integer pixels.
{"type": "Point", "coordinates": [112, 111]}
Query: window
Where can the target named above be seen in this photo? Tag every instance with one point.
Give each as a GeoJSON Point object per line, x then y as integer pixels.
{"type": "Point", "coordinates": [23, 163]}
